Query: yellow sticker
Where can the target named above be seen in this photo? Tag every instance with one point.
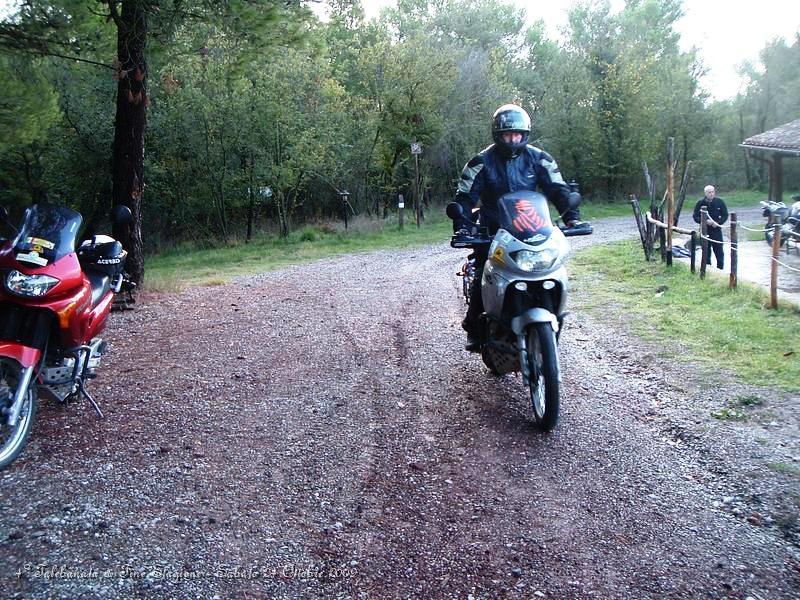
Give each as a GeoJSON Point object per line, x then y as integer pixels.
{"type": "Point", "coordinates": [40, 242]}
{"type": "Point", "coordinates": [499, 256]}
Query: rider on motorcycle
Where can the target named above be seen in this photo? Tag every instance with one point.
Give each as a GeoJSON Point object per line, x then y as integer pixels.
{"type": "Point", "coordinates": [508, 165]}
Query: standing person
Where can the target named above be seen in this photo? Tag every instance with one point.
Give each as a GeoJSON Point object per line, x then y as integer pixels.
{"type": "Point", "coordinates": [508, 165]}
{"type": "Point", "coordinates": [717, 215]}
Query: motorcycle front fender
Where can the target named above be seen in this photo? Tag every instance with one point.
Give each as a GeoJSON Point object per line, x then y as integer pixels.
{"type": "Point", "coordinates": [24, 355]}
{"type": "Point", "coordinates": [534, 315]}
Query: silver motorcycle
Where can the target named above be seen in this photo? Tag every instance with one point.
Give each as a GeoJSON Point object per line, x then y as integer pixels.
{"type": "Point", "coordinates": [788, 217]}
{"type": "Point", "coordinates": [524, 290]}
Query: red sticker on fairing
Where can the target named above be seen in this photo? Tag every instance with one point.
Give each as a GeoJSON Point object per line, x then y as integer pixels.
{"type": "Point", "coordinates": [527, 221]}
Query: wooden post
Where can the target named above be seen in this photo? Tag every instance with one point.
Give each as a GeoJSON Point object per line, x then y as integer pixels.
{"type": "Point", "coordinates": [682, 192]}
{"type": "Point", "coordinates": [670, 196]}
{"type": "Point", "coordinates": [776, 171]}
{"type": "Point", "coordinates": [637, 213]}
{"type": "Point", "coordinates": [401, 207]}
{"type": "Point", "coordinates": [776, 252]}
{"type": "Point", "coordinates": [662, 241]}
{"type": "Point", "coordinates": [703, 241]}
{"type": "Point", "coordinates": [343, 197]}
{"type": "Point", "coordinates": [693, 251]}
{"type": "Point", "coordinates": [734, 252]}
{"type": "Point", "coordinates": [417, 199]}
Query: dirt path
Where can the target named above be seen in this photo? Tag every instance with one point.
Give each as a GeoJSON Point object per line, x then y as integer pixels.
{"type": "Point", "coordinates": [318, 431]}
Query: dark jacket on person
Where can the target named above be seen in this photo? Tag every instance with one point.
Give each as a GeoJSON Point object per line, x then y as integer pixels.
{"type": "Point", "coordinates": [490, 174]}
{"type": "Point", "coordinates": [716, 210]}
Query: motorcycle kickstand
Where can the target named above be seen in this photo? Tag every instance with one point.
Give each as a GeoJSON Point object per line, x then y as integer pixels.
{"type": "Point", "coordinates": [82, 390]}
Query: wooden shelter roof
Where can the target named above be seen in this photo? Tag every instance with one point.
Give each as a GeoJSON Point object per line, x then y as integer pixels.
{"type": "Point", "coordinates": [783, 140]}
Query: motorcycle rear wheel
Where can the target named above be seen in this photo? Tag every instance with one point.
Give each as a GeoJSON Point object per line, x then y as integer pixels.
{"type": "Point", "coordinates": [13, 439]}
{"type": "Point", "coordinates": [544, 373]}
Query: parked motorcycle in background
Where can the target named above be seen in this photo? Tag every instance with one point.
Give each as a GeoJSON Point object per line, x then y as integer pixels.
{"type": "Point", "coordinates": [54, 303]}
{"type": "Point", "coordinates": [524, 291]}
{"type": "Point", "coordinates": [788, 217]}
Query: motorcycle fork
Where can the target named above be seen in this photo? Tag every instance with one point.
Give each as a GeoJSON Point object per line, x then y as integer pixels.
{"type": "Point", "coordinates": [23, 385]}
{"type": "Point", "coordinates": [522, 342]}
{"type": "Point", "coordinates": [529, 373]}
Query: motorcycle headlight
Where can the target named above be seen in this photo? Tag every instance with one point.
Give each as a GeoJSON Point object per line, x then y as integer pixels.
{"type": "Point", "coordinates": [29, 285]}
{"type": "Point", "coordinates": [536, 261]}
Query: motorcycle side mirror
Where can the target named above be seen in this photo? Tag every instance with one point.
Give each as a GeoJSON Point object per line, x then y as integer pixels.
{"type": "Point", "coordinates": [121, 215]}
{"type": "Point", "coordinates": [455, 211]}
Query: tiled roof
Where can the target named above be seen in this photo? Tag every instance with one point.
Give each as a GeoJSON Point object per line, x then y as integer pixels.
{"type": "Point", "coordinates": [786, 138]}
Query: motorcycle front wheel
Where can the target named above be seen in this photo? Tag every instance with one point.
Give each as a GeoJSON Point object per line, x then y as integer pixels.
{"type": "Point", "coordinates": [544, 372]}
{"type": "Point", "coordinates": [13, 438]}
{"type": "Point", "coordinates": [769, 236]}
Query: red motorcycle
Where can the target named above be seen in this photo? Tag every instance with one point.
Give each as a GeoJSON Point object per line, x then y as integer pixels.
{"type": "Point", "coordinates": [54, 303]}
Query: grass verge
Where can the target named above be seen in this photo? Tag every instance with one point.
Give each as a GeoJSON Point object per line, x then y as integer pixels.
{"type": "Point", "coordinates": [713, 325]}
{"type": "Point", "coordinates": [173, 270]}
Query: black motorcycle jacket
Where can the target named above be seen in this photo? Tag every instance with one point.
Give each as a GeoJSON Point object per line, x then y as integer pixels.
{"type": "Point", "coordinates": [489, 175]}
{"type": "Point", "coordinates": [716, 209]}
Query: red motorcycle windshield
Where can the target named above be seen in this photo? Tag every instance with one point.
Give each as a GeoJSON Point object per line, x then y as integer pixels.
{"type": "Point", "coordinates": [526, 216]}
{"type": "Point", "coordinates": [47, 234]}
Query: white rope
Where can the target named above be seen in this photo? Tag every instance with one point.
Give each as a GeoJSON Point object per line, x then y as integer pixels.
{"type": "Point", "coordinates": [702, 237]}
{"type": "Point", "coordinates": [785, 265]}
{"type": "Point", "coordinates": [762, 230]}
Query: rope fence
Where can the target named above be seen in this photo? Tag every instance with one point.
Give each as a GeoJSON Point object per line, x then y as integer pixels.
{"type": "Point", "coordinates": [662, 220]}
{"type": "Point", "coordinates": [762, 230]}
{"type": "Point", "coordinates": [785, 266]}
{"type": "Point", "coordinates": [650, 227]}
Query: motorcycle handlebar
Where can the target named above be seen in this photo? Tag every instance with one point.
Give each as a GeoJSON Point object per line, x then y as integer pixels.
{"type": "Point", "coordinates": [467, 239]}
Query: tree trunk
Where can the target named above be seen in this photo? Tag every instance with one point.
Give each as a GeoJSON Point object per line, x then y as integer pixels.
{"type": "Point", "coordinates": [251, 204]}
{"type": "Point", "coordinates": [129, 125]}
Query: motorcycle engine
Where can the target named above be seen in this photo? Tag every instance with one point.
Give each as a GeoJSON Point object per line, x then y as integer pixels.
{"type": "Point", "coordinates": [501, 354]}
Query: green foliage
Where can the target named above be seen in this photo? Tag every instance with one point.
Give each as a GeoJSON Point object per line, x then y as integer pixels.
{"type": "Point", "coordinates": [170, 271]}
{"type": "Point", "coordinates": [737, 409]}
{"type": "Point", "coordinates": [247, 95]}
{"type": "Point", "coordinates": [700, 320]}
{"type": "Point", "coordinates": [28, 107]}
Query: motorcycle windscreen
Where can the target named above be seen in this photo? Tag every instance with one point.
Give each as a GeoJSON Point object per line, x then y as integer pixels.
{"type": "Point", "coordinates": [526, 216]}
{"type": "Point", "coordinates": [48, 233]}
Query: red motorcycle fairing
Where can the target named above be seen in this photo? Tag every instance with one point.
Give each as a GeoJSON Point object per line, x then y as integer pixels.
{"type": "Point", "coordinates": [70, 299]}
{"type": "Point", "coordinates": [67, 270]}
{"type": "Point", "coordinates": [92, 323]}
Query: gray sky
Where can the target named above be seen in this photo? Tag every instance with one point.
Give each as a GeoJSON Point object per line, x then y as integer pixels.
{"type": "Point", "coordinates": [726, 32]}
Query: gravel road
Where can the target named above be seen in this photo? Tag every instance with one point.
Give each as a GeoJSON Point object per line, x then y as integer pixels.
{"type": "Point", "coordinates": [319, 431]}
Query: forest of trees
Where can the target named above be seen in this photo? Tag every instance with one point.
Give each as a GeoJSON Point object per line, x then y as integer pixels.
{"type": "Point", "coordinates": [255, 112]}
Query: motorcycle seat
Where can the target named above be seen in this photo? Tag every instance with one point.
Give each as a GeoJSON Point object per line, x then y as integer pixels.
{"type": "Point", "coordinates": [100, 284]}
